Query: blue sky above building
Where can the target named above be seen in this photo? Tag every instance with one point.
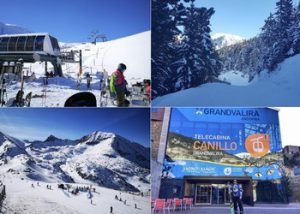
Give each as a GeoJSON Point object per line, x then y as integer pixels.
{"type": "Point", "coordinates": [74, 20]}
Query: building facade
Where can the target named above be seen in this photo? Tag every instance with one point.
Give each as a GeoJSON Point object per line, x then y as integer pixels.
{"type": "Point", "coordinates": [206, 148]}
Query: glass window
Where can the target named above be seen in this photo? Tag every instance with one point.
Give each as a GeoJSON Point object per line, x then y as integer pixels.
{"type": "Point", "coordinates": [39, 43]}
{"type": "Point", "coordinates": [3, 44]}
{"type": "Point", "coordinates": [29, 43]}
{"type": "Point", "coordinates": [54, 44]}
{"type": "Point", "coordinates": [12, 43]}
{"type": "Point", "coordinates": [21, 43]}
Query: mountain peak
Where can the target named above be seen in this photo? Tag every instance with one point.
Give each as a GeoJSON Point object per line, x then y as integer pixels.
{"type": "Point", "coordinates": [95, 137]}
{"type": "Point", "coordinates": [224, 39]}
{"type": "Point", "coordinates": [51, 138]}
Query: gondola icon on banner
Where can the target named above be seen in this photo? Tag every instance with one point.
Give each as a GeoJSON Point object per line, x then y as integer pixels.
{"type": "Point", "coordinates": [258, 145]}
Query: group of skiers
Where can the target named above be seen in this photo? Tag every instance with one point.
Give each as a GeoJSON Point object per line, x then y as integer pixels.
{"type": "Point", "coordinates": [117, 86]}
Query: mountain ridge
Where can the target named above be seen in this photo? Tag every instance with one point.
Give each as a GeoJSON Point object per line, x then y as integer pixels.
{"type": "Point", "coordinates": [102, 158]}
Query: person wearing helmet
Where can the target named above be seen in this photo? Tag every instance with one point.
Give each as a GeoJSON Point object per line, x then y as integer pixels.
{"type": "Point", "coordinates": [118, 85]}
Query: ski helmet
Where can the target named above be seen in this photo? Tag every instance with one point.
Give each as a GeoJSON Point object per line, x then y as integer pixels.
{"type": "Point", "coordinates": [122, 67]}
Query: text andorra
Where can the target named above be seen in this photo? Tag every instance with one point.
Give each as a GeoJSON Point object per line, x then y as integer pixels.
{"type": "Point", "coordinates": [232, 112]}
{"type": "Point", "coordinates": [204, 146]}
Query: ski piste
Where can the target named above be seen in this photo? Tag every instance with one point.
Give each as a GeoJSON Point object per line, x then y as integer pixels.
{"type": "Point", "coordinates": [99, 60]}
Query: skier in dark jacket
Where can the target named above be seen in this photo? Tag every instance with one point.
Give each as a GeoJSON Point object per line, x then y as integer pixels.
{"type": "Point", "coordinates": [118, 85]}
{"type": "Point", "coordinates": [236, 194]}
{"type": "Point", "coordinates": [88, 81]}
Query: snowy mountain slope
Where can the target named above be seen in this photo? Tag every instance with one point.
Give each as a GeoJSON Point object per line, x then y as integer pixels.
{"type": "Point", "coordinates": [100, 158]}
{"type": "Point", "coordinates": [133, 50]}
{"type": "Point", "coordinates": [281, 88]}
{"type": "Point", "coordinates": [111, 161]}
{"type": "Point", "coordinates": [10, 148]}
{"type": "Point", "coordinates": [221, 40]}
{"type": "Point", "coordinates": [12, 29]}
{"type": "Point", "coordinates": [23, 198]}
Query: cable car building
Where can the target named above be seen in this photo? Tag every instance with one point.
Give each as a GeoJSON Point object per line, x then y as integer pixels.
{"type": "Point", "coordinates": [30, 48]}
{"type": "Point", "coordinates": [208, 147]}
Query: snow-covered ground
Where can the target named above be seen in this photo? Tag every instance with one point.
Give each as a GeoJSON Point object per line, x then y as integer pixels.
{"type": "Point", "coordinates": [134, 51]}
{"type": "Point", "coordinates": [280, 88]}
{"type": "Point", "coordinates": [107, 162]}
{"type": "Point", "coordinates": [22, 198]}
{"type": "Point", "coordinates": [234, 77]}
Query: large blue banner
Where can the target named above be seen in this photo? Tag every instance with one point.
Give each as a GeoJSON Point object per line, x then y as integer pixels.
{"type": "Point", "coordinates": [224, 142]}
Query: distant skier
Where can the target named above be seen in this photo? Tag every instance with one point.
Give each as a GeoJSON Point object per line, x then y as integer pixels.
{"type": "Point", "coordinates": [236, 194]}
{"type": "Point", "coordinates": [111, 209]}
{"type": "Point", "coordinates": [118, 86]}
{"type": "Point", "coordinates": [88, 81]}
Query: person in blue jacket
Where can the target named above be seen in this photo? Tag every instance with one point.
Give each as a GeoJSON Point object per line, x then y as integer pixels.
{"type": "Point", "coordinates": [236, 194]}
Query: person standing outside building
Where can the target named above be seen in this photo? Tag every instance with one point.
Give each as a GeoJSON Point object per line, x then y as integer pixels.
{"type": "Point", "coordinates": [236, 194]}
{"type": "Point", "coordinates": [118, 85]}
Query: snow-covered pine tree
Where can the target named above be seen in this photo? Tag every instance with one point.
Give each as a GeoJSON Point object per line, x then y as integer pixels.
{"type": "Point", "coordinates": [201, 60]}
{"type": "Point", "coordinates": [295, 32]}
{"type": "Point", "coordinates": [268, 36]}
{"type": "Point", "coordinates": [280, 34]}
{"type": "Point", "coordinates": [166, 16]}
{"type": "Point", "coordinates": [163, 33]}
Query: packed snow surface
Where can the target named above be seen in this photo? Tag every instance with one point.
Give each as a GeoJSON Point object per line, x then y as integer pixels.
{"type": "Point", "coordinates": [234, 77]}
{"type": "Point", "coordinates": [22, 198]}
{"type": "Point", "coordinates": [280, 88]}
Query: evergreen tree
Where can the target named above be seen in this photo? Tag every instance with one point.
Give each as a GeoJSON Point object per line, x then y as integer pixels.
{"type": "Point", "coordinates": [163, 32]}
{"type": "Point", "coordinates": [279, 33]}
{"type": "Point", "coordinates": [201, 63]}
{"type": "Point", "coordinates": [295, 32]}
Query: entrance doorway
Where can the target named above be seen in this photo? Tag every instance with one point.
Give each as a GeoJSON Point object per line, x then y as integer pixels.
{"type": "Point", "coordinates": [207, 194]}
{"type": "Point", "coordinates": [203, 194]}
{"type": "Point", "coordinates": [220, 194]}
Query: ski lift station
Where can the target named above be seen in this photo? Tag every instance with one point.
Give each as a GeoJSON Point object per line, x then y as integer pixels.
{"type": "Point", "coordinates": [74, 68]}
{"type": "Point", "coordinates": [197, 151]}
{"type": "Point", "coordinates": [30, 48]}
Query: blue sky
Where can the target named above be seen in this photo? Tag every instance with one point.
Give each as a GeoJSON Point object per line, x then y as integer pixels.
{"type": "Point", "coordinates": [239, 17]}
{"type": "Point", "coordinates": [73, 20]}
{"type": "Point", "coordinates": [39, 123]}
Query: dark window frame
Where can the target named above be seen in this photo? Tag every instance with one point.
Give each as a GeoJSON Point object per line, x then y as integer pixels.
{"type": "Point", "coordinates": [31, 42]}
{"type": "Point", "coordinates": [12, 43]}
{"type": "Point", "coordinates": [36, 41]}
{"type": "Point", "coordinates": [24, 43]}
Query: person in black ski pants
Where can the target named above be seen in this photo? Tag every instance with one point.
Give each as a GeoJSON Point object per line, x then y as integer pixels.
{"type": "Point", "coordinates": [236, 193]}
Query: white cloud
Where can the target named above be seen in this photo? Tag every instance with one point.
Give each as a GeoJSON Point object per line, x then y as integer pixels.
{"type": "Point", "coordinates": [289, 119]}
